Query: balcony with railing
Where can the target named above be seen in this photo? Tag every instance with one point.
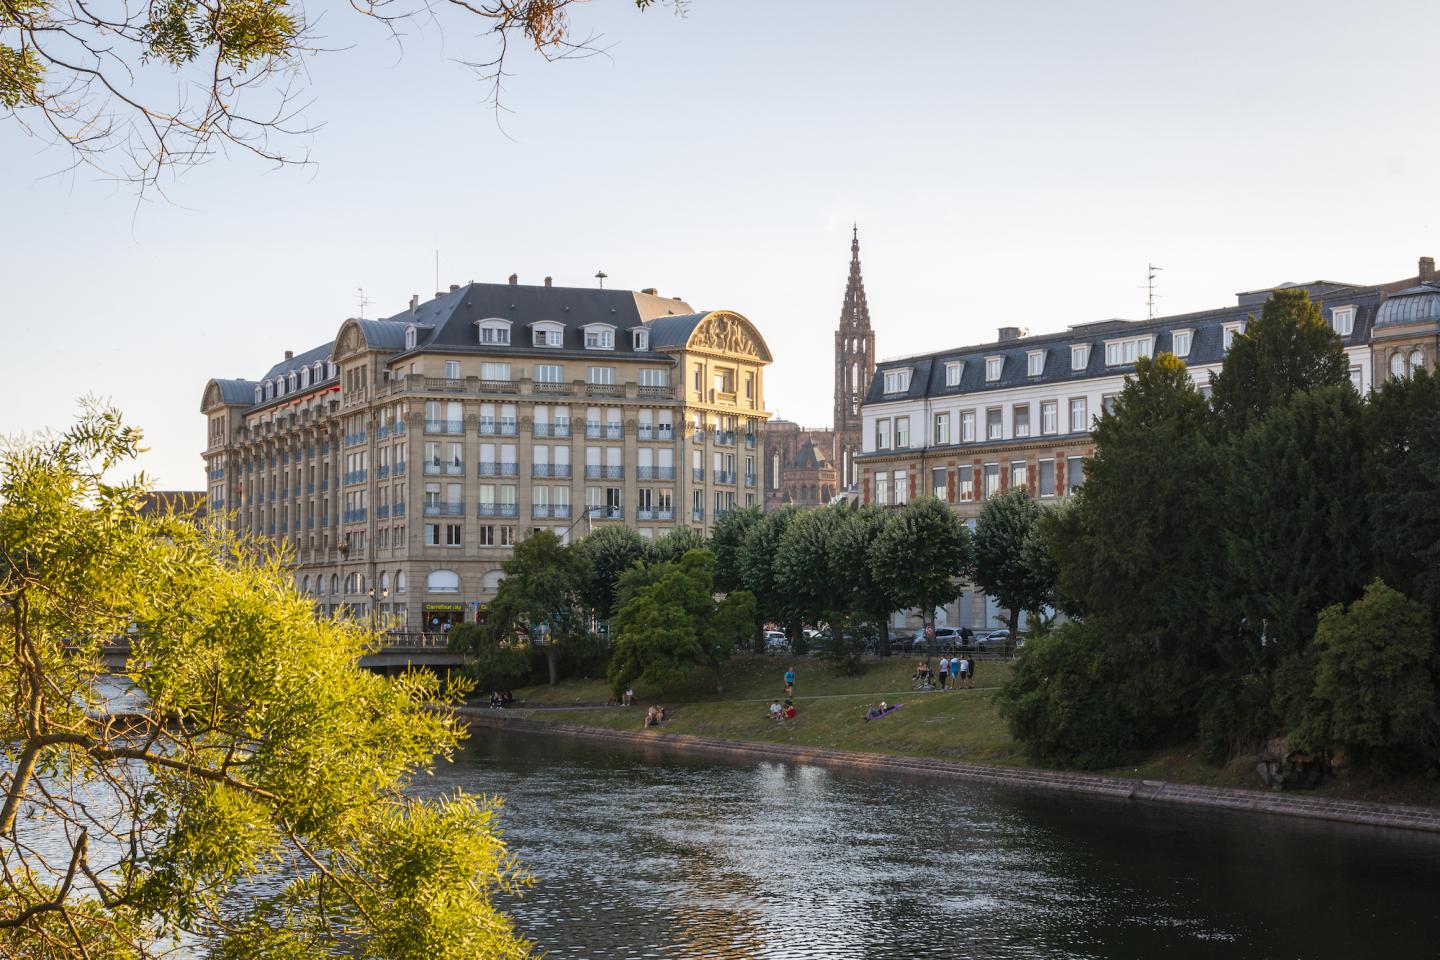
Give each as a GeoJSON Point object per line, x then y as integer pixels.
{"type": "Point", "coordinates": [391, 430]}
{"type": "Point", "coordinates": [297, 490]}
{"type": "Point", "coordinates": [444, 426]}
{"type": "Point", "coordinates": [697, 514]}
{"type": "Point", "coordinates": [351, 439]}
{"type": "Point", "coordinates": [382, 511]}
{"type": "Point", "coordinates": [594, 471]}
{"type": "Point", "coordinates": [697, 474]}
{"type": "Point", "coordinates": [663, 393]}
{"type": "Point", "coordinates": [489, 427]}
{"type": "Point", "coordinates": [750, 479]}
{"type": "Point", "coordinates": [382, 471]}
{"type": "Point", "coordinates": [663, 514]}
{"type": "Point", "coordinates": [324, 485]}
{"type": "Point", "coordinates": [750, 440]}
{"type": "Point", "coordinates": [499, 510]}
{"type": "Point", "coordinates": [560, 428]}
{"type": "Point", "coordinates": [217, 473]}
{"type": "Point", "coordinates": [552, 388]}
{"type": "Point", "coordinates": [499, 469]}
{"type": "Point", "coordinates": [594, 429]}
{"type": "Point", "coordinates": [442, 508]}
{"type": "Point", "coordinates": [725, 438]}
{"type": "Point", "coordinates": [445, 468]}
{"type": "Point", "coordinates": [354, 516]}
{"type": "Point", "coordinates": [655, 473]}
{"type": "Point", "coordinates": [509, 427]}
{"type": "Point", "coordinates": [610, 513]}
{"type": "Point", "coordinates": [355, 476]}
{"type": "Point", "coordinates": [498, 386]}
{"type": "Point", "coordinates": [604, 390]}
{"type": "Point", "coordinates": [724, 476]}
{"type": "Point", "coordinates": [644, 513]}
{"type": "Point", "coordinates": [549, 469]}
{"type": "Point", "coordinates": [397, 510]}
{"type": "Point", "coordinates": [400, 469]}
{"type": "Point", "coordinates": [698, 436]}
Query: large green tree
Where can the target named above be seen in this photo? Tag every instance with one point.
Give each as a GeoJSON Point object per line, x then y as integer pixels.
{"type": "Point", "coordinates": [1288, 349]}
{"type": "Point", "coordinates": [1003, 569]}
{"type": "Point", "coordinates": [757, 567]}
{"type": "Point", "coordinates": [611, 550]}
{"type": "Point", "coordinates": [851, 546]}
{"type": "Point", "coordinates": [726, 540]}
{"type": "Point", "coordinates": [252, 801]}
{"type": "Point", "coordinates": [674, 545]}
{"type": "Point", "coordinates": [921, 556]}
{"type": "Point", "coordinates": [670, 622]}
{"type": "Point", "coordinates": [540, 600]}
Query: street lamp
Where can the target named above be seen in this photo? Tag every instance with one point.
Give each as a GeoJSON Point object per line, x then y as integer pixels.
{"type": "Point", "coordinates": [584, 515]}
{"type": "Point", "coordinates": [382, 594]}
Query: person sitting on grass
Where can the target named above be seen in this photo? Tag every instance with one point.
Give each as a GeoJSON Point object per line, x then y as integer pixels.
{"type": "Point", "coordinates": [627, 699]}
{"type": "Point", "coordinates": [659, 714]}
{"type": "Point", "coordinates": [789, 710]}
{"type": "Point", "coordinates": [775, 711]}
{"type": "Point", "coordinates": [922, 672]}
{"type": "Point", "coordinates": [650, 717]}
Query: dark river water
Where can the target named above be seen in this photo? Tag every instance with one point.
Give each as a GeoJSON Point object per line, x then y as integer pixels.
{"type": "Point", "coordinates": [642, 854]}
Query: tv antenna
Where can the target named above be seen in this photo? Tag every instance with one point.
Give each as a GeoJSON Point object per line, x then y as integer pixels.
{"type": "Point", "coordinates": [1150, 296]}
{"type": "Point", "coordinates": [364, 301]}
{"type": "Point", "coordinates": [601, 277]}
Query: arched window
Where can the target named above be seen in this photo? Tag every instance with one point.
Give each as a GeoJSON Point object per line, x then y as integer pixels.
{"type": "Point", "coordinates": [304, 376]}
{"type": "Point", "coordinates": [334, 583]}
{"type": "Point", "coordinates": [443, 581]}
{"type": "Point", "coordinates": [319, 373]}
{"type": "Point", "coordinates": [1417, 361]}
{"type": "Point", "coordinates": [259, 393]}
{"type": "Point", "coordinates": [294, 382]}
{"type": "Point", "coordinates": [305, 584]}
{"type": "Point", "coordinates": [384, 580]}
{"type": "Point", "coordinates": [399, 581]}
{"type": "Point", "coordinates": [320, 586]}
{"type": "Point", "coordinates": [491, 581]}
{"type": "Point", "coordinates": [1397, 365]}
{"type": "Point", "coordinates": [350, 583]}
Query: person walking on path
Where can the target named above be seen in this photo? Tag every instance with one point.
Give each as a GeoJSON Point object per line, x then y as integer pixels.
{"type": "Point", "coordinates": [790, 682]}
{"type": "Point", "coordinates": [944, 671]}
{"type": "Point", "coordinates": [955, 673]}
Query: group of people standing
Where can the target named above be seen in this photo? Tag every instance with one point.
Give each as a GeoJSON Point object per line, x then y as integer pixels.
{"type": "Point", "coordinates": [956, 672]}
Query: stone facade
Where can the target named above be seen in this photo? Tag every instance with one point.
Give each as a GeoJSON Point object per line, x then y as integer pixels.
{"type": "Point", "coordinates": [402, 461]}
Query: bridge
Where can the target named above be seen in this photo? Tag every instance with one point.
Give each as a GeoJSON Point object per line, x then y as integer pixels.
{"type": "Point", "coordinates": [397, 652]}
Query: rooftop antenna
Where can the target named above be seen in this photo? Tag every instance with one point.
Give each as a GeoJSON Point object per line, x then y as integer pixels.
{"type": "Point", "coordinates": [437, 268]}
{"type": "Point", "coordinates": [364, 301]}
{"type": "Point", "coordinates": [1150, 296]}
{"type": "Point", "coordinates": [601, 277]}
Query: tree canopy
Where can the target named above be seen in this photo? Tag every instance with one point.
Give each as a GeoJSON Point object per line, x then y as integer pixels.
{"type": "Point", "coordinates": [1003, 568]}
{"type": "Point", "coordinates": [260, 750]}
{"type": "Point", "coordinates": [921, 556]}
{"type": "Point", "coordinates": [610, 551]}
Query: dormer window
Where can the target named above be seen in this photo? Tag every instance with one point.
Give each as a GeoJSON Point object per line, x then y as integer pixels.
{"type": "Point", "coordinates": [411, 336]}
{"type": "Point", "coordinates": [993, 366]}
{"type": "Point", "coordinates": [1342, 320]}
{"type": "Point", "coordinates": [318, 372]}
{"type": "Point", "coordinates": [1119, 352]}
{"type": "Point", "coordinates": [953, 370]}
{"type": "Point", "coordinates": [1180, 341]}
{"type": "Point", "coordinates": [641, 338]}
{"type": "Point", "coordinates": [897, 381]}
{"type": "Point", "coordinates": [1079, 356]}
{"type": "Point", "coordinates": [599, 336]}
{"type": "Point", "coordinates": [304, 376]}
{"type": "Point", "coordinates": [259, 393]}
{"type": "Point", "coordinates": [270, 390]}
{"type": "Point", "coordinates": [494, 331]}
{"type": "Point", "coordinates": [294, 382]}
{"type": "Point", "coordinates": [1231, 329]}
{"type": "Point", "coordinates": [1035, 362]}
{"type": "Point", "coordinates": [548, 333]}
{"type": "Point", "coordinates": [331, 371]}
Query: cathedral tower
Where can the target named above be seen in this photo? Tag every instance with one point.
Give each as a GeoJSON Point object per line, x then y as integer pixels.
{"type": "Point", "coordinates": [854, 366]}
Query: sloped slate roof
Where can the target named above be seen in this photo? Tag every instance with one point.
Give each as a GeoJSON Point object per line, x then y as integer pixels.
{"type": "Point", "coordinates": [300, 360]}
{"type": "Point", "coordinates": [1419, 303]}
{"type": "Point", "coordinates": [385, 334]}
{"type": "Point", "coordinates": [236, 391]}
{"type": "Point", "coordinates": [673, 331]}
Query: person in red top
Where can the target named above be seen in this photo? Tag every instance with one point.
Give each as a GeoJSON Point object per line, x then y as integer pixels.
{"type": "Point", "coordinates": [789, 710]}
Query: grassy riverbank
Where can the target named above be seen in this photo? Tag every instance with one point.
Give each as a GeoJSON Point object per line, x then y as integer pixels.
{"type": "Point", "coordinates": [950, 725]}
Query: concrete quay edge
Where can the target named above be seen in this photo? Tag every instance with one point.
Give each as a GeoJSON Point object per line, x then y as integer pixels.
{"type": "Point", "coordinates": [1154, 791]}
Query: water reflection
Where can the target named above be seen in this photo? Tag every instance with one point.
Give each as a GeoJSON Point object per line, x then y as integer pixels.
{"type": "Point", "coordinates": [650, 856]}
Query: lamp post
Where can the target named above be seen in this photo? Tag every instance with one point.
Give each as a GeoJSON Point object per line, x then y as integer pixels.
{"type": "Point", "coordinates": [382, 594]}
{"type": "Point", "coordinates": [584, 515]}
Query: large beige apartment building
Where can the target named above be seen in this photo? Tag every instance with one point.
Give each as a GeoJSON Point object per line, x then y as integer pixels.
{"type": "Point", "coordinates": [403, 460]}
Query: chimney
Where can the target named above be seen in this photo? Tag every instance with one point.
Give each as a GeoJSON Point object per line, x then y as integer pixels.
{"type": "Point", "coordinates": [547, 281]}
{"type": "Point", "coordinates": [514, 279]}
{"type": "Point", "coordinates": [651, 291]}
{"type": "Point", "coordinates": [289, 354]}
{"type": "Point", "coordinates": [414, 302]}
{"type": "Point", "coordinates": [1010, 333]}
{"type": "Point", "coordinates": [1427, 269]}
{"type": "Point", "coordinates": [454, 287]}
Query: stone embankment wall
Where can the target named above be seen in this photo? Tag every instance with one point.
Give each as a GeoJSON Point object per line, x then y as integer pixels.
{"type": "Point", "coordinates": [1124, 788]}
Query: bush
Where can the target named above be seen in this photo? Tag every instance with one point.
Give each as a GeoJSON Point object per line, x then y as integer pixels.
{"type": "Point", "coordinates": [844, 649]}
{"type": "Point", "coordinates": [1067, 704]}
{"type": "Point", "coordinates": [506, 667]}
{"type": "Point", "coordinates": [585, 656]}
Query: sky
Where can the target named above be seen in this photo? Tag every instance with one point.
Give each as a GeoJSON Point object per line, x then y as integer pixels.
{"type": "Point", "coordinates": [1007, 164]}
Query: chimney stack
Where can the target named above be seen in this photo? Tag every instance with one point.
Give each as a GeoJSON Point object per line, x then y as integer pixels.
{"type": "Point", "coordinates": [414, 302]}
{"type": "Point", "coordinates": [1427, 269]}
{"type": "Point", "coordinates": [289, 354]}
{"type": "Point", "coordinates": [514, 279]}
{"type": "Point", "coordinates": [547, 281]}
{"type": "Point", "coordinates": [651, 291]}
{"type": "Point", "coordinates": [1010, 333]}
{"type": "Point", "coordinates": [454, 287]}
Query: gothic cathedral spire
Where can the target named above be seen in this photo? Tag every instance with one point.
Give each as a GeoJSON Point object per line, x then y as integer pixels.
{"type": "Point", "coordinates": [854, 366]}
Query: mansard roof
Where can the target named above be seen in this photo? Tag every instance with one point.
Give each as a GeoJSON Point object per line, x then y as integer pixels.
{"type": "Point", "coordinates": [305, 359]}
{"type": "Point", "coordinates": [1207, 328]}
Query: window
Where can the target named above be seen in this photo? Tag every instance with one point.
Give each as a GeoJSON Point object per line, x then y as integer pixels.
{"type": "Point", "coordinates": [902, 487]}
{"type": "Point", "coordinates": [1049, 416]}
{"type": "Point", "coordinates": [1046, 470]}
{"type": "Point", "coordinates": [1019, 473]}
{"type": "Point", "coordinates": [699, 378]}
{"type": "Point", "coordinates": [1021, 420]}
{"type": "Point", "coordinates": [605, 375]}
{"type": "Point", "coordinates": [882, 434]}
{"type": "Point", "coordinates": [1079, 356]}
{"type": "Point", "coordinates": [1180, 342]}
{"type": "Point", "coordinates": [1417, 361]}
{"type": "Point", "coordinates": [992, 480]}
{"type": "Point", "coordinates": [549, 373]}
{"type": "Point", "coordinates": [965, 483]}
{"type": "Point", "coordinates": [967, 426]}
{"type": "Point", "coordinates": [641, 338]}
{"type": "Point", "coordinates": [897, 381]}
{"type": "Point", "coordinates": [939, 484]}
{"type": "Point", "coordinates": [599, 336]}
{"type": "Point", "coordinates": [942, 429]}
{"type": "Point", "coordinates": [902, 432]}
{"type": "Point", "coordinates": [452, 535]}
{"type": "Point", "coordinates": [439, 581]}
{"type": "Point", "coordinates": [654, 377]}
{"type": "Point", "coordinates": [1035, 362]}
{"type": "Point", "coordinates": [548, 333]}
{"type": "Point", "coordinates": [507, 536]}
{"type": "Point", "coordinates": [1107, 402]}
{"type": "Point", "coordinates": [487, 536]}
{"type": "Point", "coordinates": [1231, 329]}
{"type": "Point", "coordinates": [494, 331]}
{"type": "Point", "coordinates": [1357, 379]}
{"type": "Point", "coordinates": [953, 370]}
{"type": "Point", "coordinates": [1397, 365]}
{"type": "Point", "coordinates": [1342, 320]}
{"type": "Point", "coordinates": [1127, 351]}
{"type": "Point", "coordinates": [994, 423]}
{"type": "Point", "coordinates": [993, 366]}
{"type": "Point", "coordinates": [882, 488]}
{"type": "Point", "coordinates": [495, 371]}
{"type": "Point", "coordinates": [1078, 422]}
{"type": "Point", "coordinates": [410, 337]}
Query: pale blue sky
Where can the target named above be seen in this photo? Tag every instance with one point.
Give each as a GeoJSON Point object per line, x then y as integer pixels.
{"type": "Point", "coordinates": [1007, 163]}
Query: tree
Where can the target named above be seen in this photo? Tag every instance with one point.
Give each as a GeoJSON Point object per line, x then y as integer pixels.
{"type": "Point", "coordinates": [611, 550]}
{"type": "Point", "coordinates": [757, 567]}
{"type": "Point", "coordinates": [1288, 349]}
{"type": "Point", "coordinates": [540, 599]}
{"type": "Point", "coordinates": [805, 572]}
{"type": "Point", "coordinates": [674, 545]}
{"type": "Point", "coordinates": [253, 802]}
{"type": "Point", "coordinates": [1372, 689]}
{"type": "Point", "coordinates": [726, 540]}
{"type": "Point", "coordinates": [137, 90]}
{"type": "Point", "coordinates": [1002, 567]}
{"type": "Point", "coordinates": [850, 547]}
{"type": "Point", "coordinates": [669, 623]}
{"type": "Point", "coordinates": [921, 556]}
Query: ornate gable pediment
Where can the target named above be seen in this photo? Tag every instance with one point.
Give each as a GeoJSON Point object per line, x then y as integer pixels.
{"type": "Point", "coordinates": [729, 334]}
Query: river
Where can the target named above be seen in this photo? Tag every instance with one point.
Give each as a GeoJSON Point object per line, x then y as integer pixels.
{"type": "Point", "coordinates": [640, 854]}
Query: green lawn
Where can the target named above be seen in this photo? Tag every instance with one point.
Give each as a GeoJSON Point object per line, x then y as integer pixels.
{"type": "Point", "coordinates": [954, 725]}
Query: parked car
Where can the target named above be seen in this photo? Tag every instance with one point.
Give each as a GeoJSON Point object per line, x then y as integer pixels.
{"type": "Point", "coordinates": [776, 642]}
{"type": "Point", "coordinates": [997, 640]}
{"type": "Point", "coordinates": [947, 638]}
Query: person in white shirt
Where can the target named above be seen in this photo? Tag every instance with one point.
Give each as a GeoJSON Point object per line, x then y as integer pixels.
{"type": "Point", "coordinates": [944, 671]}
